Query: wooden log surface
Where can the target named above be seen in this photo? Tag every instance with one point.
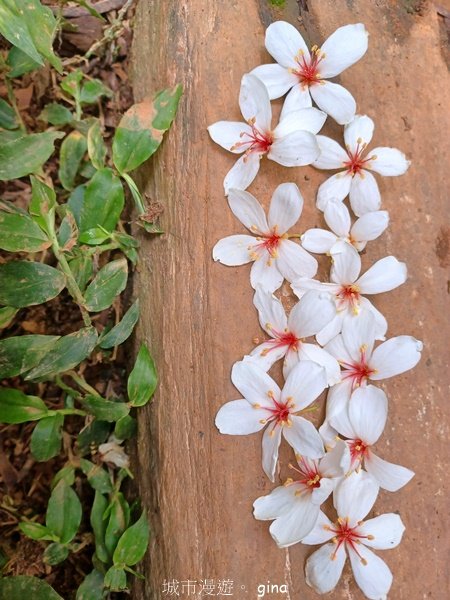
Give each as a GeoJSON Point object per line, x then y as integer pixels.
{"type": "Point", "coordinates": [198, 318]}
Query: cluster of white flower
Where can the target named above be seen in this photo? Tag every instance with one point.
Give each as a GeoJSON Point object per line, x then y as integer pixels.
{"type": "Point", "coordinates": [338, 458]}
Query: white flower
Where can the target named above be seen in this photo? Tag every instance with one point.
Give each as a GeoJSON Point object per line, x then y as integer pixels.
{"type": "Point", "coordinates": [291, 144]}
{"type": "Point", "coordinates": [353, 500]}
{"type": "Point", "coordinates": [295, 506]}
{"type": "Point", "coordinates": [304, 73]}
{"type": "Point", "coordinates": [348, 286]}
{"type": "Point", "coordinates": [112, 452]}
{"type": "Point", "coordinates": [361, 363]}
{"type": "Point", "coordinates": [265, 404]}
{"type": "Point", "coordinates": [337, 217]}
{"type": "Point", "coordinates": [356, 179]}
{"type": "Point", "coordinates": [363, 423]}
{"type": "Point", "coordinates": [275, 257]}
{"type": "Point", "coordinates": [306, 318]}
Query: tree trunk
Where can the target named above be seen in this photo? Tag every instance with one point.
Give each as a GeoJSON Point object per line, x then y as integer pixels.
{"type": "Point", "coordinates": [198, 317]}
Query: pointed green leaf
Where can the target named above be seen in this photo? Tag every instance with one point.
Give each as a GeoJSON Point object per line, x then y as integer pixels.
{"type": "Point", "coordinates": [56, 114]}
{"type": "Point", "coordinates": [63, 513]}
{"type": "Point", "coordinates": [67, 473]}
{"type": "Point", "coordinates": [21, 353]}
{"type": "Point", "coordinates": [55, 553]}
{"type": "Point", "coordinates": [72, 151]}
{"type": "Point", "coordinates": [20, 63]}
{"type": "Point", "coordinates": [92, 587]}
{"type": "Point", "coordinates": [126, 428]}
{"type": "Point", "coordinates": [133, 543]}
{"type": "Point", "coordinates": [93, 90]}
{"type": "Point", "coordinates": [24, 586]}
{"type": "Point", "coordinates": [8, 118]}
{"type": "Point", "coordinates": [96, 145]}
{"type": "Point", "coordinates": [122, 331]}
{"type": "Point", "coordinates": [19, 233]}
{"type": "Point", "coordinates": [103, 201]}
{"type": "Point", "coordinates": [118, 521]}
{"type": "Point", "coordinates": [46, 438]}
{"type": "Point", "coordinates": [35, 531]}
{"type": "Point", "coordinates": [82, 268]}
{"type": "Point", "coordinates": [105, 410]}
{"type": "Point", "coordinates": [7, 314]}
{"type": "Point", "coordinates": [26, 154]}
{"type": "Point", "coordinates": [16, 407]}
{"type": "Point", "coordinates": [25, 283]}
{"type": "Point", "coordinates": [109, 282]}
{"type": "Point", "coordinates": [98, 478]}
{"type": "Point", "coordinates": [43, 205]}
{"type": "Point", "coordinates": [143, 378]}
{"type": "Point", "coordinates": [98, 524]}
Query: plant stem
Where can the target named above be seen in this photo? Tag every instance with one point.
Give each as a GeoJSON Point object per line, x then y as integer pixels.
{"type": "Point", "coordinates": [66, 388]}
{"type": "Point", "coordinates": [79, 380]}
{"type": "Point", "coordinates": [72, 411]}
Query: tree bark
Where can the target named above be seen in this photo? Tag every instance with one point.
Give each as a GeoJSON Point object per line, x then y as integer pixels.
{"type": "Point", "coordinates": [198, 317]}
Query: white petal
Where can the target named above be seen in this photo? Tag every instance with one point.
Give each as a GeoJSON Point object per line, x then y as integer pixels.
{"type": "Point", "coordinates": [301, 285]}
{"type": "Point", "coordinates": [291, 527]}
{"type": "Point", "coordinates": [270, 445]}
{"type": "Point", "coordinates": [320, 494]}
{"type": "Point", "coordinates": [335, 100]}
{"type": "Point", "coordinates": [395, 356]}
{"type": "Point", "coordinates": [254, 102]}
{"type": "Point", "coordinates": [364, 194]}
{"type": "Point", "coordinates": [337, 217]}
{"type": "Point", "coordinates": [358, 132]}
{"type": "Point", "coordinates": [311, 314]}
{"type": "Point", "coordinates": [324, 568]}
{"type": "Point", "coordinates": [227, 133]}
{"type": "Point", "coordinates": [298, 97]}
{"type": "Point", "coordinates": [335, 187]}
{"type": "Point", "coordinates": [336, 462]}
{"type": "Point", "coordinates": [277, 79]}
{"type": "Point", "coordinates": [297, 149]}
{"type": "Point", "coordinates": [390, 477]}
{"type": "Point", "coordinates": [294, 262]}
{"type": "Point", "coordinates": [319, 241]}
{"type": "Point", "coordinates": [333, 328]}
{"type": "Point", "coordinates": [242, 173]}
{"type": "Point", "coordinates": [328, 434]}
{"type": "Point", "coordinates": [254, 384]}
{"type": "Point", "coordinates": [305, 383]}
{"type": "Point", "coordinates": [332, 155]}
{"type": "Point", "coordinates": [373, 576]}
{"type": "Point", "coordinates": [355, 496]}
{"type": "Point", "coordinates": [305, 119]}
{"type": "Point", "coordinates": [367, 411]}
{"type": "Point", "coordinates": [270, 311]}
{"type": "Point", "coordinates": [385, 275]}
{"type": "Point", "coordinates": [388, 161]}
{"type": "Point", "coordinates": [285, 207]}
{"type": "Point", "coordinates": [277, 503]}
{"type": "Point", "coordinates": [337, 408]}
{"type": "Point", "coordinates": [321, 357]}
{"type": "Point", "coordinates": [346, 264]}
{"type": "Point", "coordinates": [265, 355]}
{"type": "Point", "coordinates": [337, 348]}
{"type": "Point", "coordinates": [381, 324]}
{"type": "Point", "coordinates": [387, 531]}
{"type": "Point", "coordinates": [359, 334]}
{"type": "Point", "coordinates": [321, 532]}
{"type": "Point", "coordinates": [239, 417]}
{"type": "Point", "coordinates": [343, 48]}
{"type": "Point", "coordinates": [370, 226]}
{"type": "Point", "coordinates": [248, 210]}
{"type": "Point", "coordinates": [284, 42]}
{"type": "Point", "coordinates": [304, 438]}
{"type": "Point", "coordinates": [234, 250]}
{"type": "Point", "coordinates": [264, 272]}
{"type": "Point", "coordinates": [290, 361]}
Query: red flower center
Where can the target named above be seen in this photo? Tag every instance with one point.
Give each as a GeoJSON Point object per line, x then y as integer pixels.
{"type": "Point", "coordinates": [255, 140]}
{"type": "Point", "coordinates": [280, 339]}
{"type": "Point", "coordinates": [356, 162]}
{"type": "Point", "coordinates": [308, 70]}
{"type": "Point", "coordinates": [309, 475]}
{"type": "Point", "coordinates": [358, 450]}
{"type": "Point", "coordinates": [348, 296]}
{"type": "Point", "coordinates": [347, 535]}
{"type": "Point", "coordinates": [359, 371]}
{"type": "Point", "coordinates": [279, 412]}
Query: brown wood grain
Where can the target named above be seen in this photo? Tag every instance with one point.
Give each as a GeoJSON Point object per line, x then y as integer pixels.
{"type": "Point", "coordinates": [198, 317]}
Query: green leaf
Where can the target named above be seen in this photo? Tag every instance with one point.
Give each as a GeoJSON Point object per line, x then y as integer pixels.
{"type": "Point", "coordinates": [35, 531]}
{"type": "Point", "coordinates": [30, 26]}
{"type": "Point", "coordinates": [21, 353]}
{"type": "Point", "coordinates": [25, 283]}
{"type": "Point", "coordinates": [26, 154]}
{"type": "Point", "coordinates": [67, 473]}
{"type": "Point", "coordinates": [67, 353]}
{"type": "Point", "coordinates": [92, 435]}
{"type": "Point", "coordinates": [46, 438]}
{"type": "Point", "coordinates": [126, 428]}
{"type": "Point", "coordinates": [94, 237]}
{"type": "Point", "coordinates": [24, 586]}
{"type": "Point", "coordinates": [56, 114]}
{"type": "Point", "coordinates": [93, 90]}
{"type": "Point", "coordinates": [109, 282]}
{"type": "Point", "coordinates": [133, 543]}
{"type": "Point", "coordinates": [122, 331]}
{"type": "Point", "coordinates": [98, 524]}
{"type": "Point", "coordinates": [71, 83]}
{"type": "Point", "coordinates": [81, 267]}
{"type": "Point", "coordinates": [143, 378]}
{"type": "Point", "coordinates": [19, 233]}
{"type": "Point", "coordinates": [8, 118]}
{"type": "Point", "coordinates": [7, 314]}
{"type": "Point", "coordinates": [19, 63]}
{"type": "Point", "coordinates": [67, 232]}
{"type": "Point", "coordinates": [141, 129]}
{"type": "Point", "coordinates": [97, 476]}
{"type": "Point", "coordinates": [63, 513]}
{"type": "Point", "coordinates": [55, 553]}
{"type": "Point", "coordinates": [105, 410]}
{"type": "Point", "coordinates": [103, 201]}
{"type": "Point", "coordinates": [96, 146]}
{"type": "Point", "coordinates": [17, 407]}
{"type": "Point", "coordinates": [118, 521]}
{"type": "Point", "coordinates": [76, 201]}
{"type": "Point", "coordinates": [72, 151]}
{"type": "Point", "coordinates": [137, 197]}
{"type": "Point", "coordinates": [43, 205]}
{"type": "Point", "coordinates": [92, 587]}
{"type": "Point", "coordinates": [116, 579]}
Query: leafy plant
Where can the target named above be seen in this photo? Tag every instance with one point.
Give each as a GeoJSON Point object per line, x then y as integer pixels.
{"type": "Point", "coordinates": [72, 239]}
